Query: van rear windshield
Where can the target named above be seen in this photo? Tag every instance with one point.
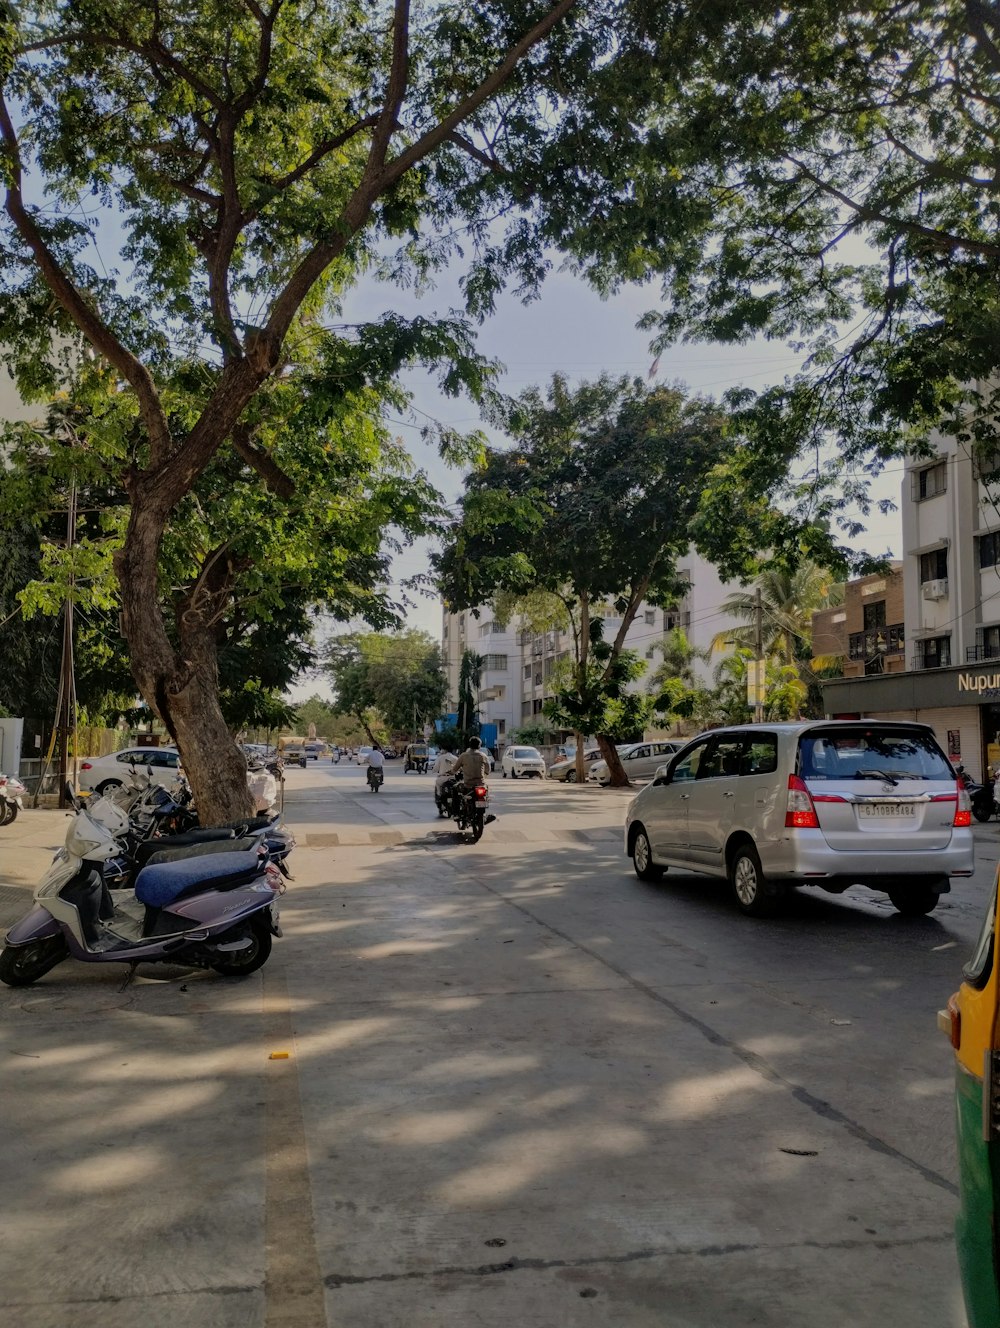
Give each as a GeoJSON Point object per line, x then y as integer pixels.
{"type": "Point", "coordinates": [870, 752]}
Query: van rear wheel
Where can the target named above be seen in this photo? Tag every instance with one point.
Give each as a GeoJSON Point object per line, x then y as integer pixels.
{"type": "Point", "coordinates": [755, 894]}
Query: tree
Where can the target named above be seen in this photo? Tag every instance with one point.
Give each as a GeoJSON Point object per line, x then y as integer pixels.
{"type": "Point", "coordinates": [823, 173]}
{"type": "Point", "coordinates": [592, 505]}
{"type": "Point", "coordinates": [788, 600]}
{"type": "Point", "coordinates": [256, 158]}
{"type": "Point", "coordinates": [396, 682]}
{"type": "Point", "coordinates": [673, 682]}
{"type": "Point", "coordinates": [470, 674]}
{"type": "Point", "coordinates": [278, 561]}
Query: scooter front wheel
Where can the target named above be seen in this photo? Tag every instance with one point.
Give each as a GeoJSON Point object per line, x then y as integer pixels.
{"type": "Point", "coordinates": [9, 813]}
{"type": "Point", "coordinates": [238, 963]}
{"type": "Point", "coordinates": [20, 965]}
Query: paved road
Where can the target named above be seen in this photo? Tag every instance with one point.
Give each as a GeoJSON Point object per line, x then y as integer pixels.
{"type": "Point", "coordinates": [522, 1087]}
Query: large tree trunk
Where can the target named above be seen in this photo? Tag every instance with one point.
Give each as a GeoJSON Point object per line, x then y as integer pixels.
{"type": "Point", "coordinates": [181, 685]}
{"type": "Point", "coordinates": [616, 771]}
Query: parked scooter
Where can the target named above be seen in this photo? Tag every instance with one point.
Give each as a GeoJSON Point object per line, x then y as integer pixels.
{"type": "Point", "coordinates": [216, 911]}
{"type": "Point", "coordinates": [12, 793]}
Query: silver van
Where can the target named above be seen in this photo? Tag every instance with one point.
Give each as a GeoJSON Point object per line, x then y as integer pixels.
{"type": "Point", "coordinates": [640, 760]}
{"type": "Point", "coordinates": [830, 803]}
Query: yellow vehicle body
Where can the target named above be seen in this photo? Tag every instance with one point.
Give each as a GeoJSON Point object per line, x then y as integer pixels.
{"type": "Point", "coordinates": [972, 1024]}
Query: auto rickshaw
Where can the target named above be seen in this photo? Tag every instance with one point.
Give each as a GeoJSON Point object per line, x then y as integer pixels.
{"type": "Point", "coordinates": [416, 758]}
{"type": "Point", "coordinates": [972, 1025]}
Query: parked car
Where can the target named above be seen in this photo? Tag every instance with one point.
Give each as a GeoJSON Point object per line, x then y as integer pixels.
{"type": "Point", "coordinates": [314, 750]}
{"type": "Point", "coordinates": [827, 803]}
{"type": "Point", "coordinates": [565, 768]}
{"type": "Point", "coordinates": [640, 760]}
{"type": "Point", "coordinates": [361, 755]}
{"type": "Point", "coordinates": [102, 773]}
{"type": "Point", "coordinates": [517, 761]}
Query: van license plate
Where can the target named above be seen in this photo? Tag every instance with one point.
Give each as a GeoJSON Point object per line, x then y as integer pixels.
{"type": "Point", "coordinates": [884, 810]}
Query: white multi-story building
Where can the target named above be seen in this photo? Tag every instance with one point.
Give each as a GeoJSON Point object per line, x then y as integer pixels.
{"type": "Point", "coordinates": [519, 665]}
{"type": "Point", "coordinates": [951, 595]}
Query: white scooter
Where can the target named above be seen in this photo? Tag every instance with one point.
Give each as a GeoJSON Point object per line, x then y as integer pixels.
{"type": "Point", "coordinates": [12, 793]}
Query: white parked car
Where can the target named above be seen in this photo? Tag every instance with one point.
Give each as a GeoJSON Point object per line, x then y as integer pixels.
{"type": "Point", "coordinates": [103, 773]}
{"type": "Point", "coordinates": [517, 761]}
{"type": "Point", "coordinates": [639, 759]}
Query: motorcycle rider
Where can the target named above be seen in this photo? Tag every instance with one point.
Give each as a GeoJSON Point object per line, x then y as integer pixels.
{"type": "Point", "coordinates": [443, 769]}
{"type": "Point", "coordinates": [473, 766]}
{"type": "Point", "coordinates": [374, 761]}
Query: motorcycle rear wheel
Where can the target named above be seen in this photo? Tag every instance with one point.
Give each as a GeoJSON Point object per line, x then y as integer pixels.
{"type": "Point", "coordinates": [9, 813]}
{"type": "Point", "coordinates": [982, 813]}
{"type": "Point", "coordinates": [20, 965]}
{"type": "Point", "coordinates": [239, 963]}
{"type": "Point", "coordinates": [478, 822]}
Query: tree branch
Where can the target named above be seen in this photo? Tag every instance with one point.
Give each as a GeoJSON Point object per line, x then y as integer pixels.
{"type": "Point", "coordinates": [395, 91]}
{"type": "Point", "coordinates": [434, 137]}
{"type": "Point", "coordinates": [266, 467]}
{"type": "Point", "coordinates": [87, 319]}
{"type": "Point", "coordinates": [321, 150]}
{"type": "Point", "coordinates": [940, 239]}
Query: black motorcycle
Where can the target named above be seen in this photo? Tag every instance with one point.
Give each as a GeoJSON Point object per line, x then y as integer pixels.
{"type": "Point", "coordinates": [375, 778]}
{"type": "Point", "coordinates": [984, 803]}
{"type": "Point", "coordinates": [469, 807]}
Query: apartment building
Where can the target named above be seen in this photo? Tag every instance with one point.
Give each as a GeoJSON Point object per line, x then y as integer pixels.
{"type": "Point", "coordinates": [867, 631]}
{"type": "Point", "coordinates": [951, 609]}
{"type": "Point", "coordinates": [517, 675]}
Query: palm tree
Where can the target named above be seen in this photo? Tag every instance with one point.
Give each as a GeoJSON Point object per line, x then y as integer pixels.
{"type": "Point", "coordinates": [788, 602]}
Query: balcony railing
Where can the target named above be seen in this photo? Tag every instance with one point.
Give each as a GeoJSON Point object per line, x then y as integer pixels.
{"type": "Point", "coordinates": [876, 641]}
{"type": "Point", "coordinates": [975, 653]}
{"type": "Point", "coordinates": [942, 661]}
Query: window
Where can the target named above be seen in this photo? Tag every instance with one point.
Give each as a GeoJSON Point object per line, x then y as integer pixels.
{"type": "Point", "coordinates": [501, 726]}
{"type": "Point", "coordinates": [874, 615]}
{"type": "Point", "coordinates": [134, 757]}
{"type": "Point", "coordinates": [687, 769]}
{"type": "Point", "coordinates": [934, 566]}
{"type": "Point", "coordinates": [650, 653]}
{"type": "Point", "coordinates": [536, 706]}
{"type": "Point", "coordinates": [989, 549]}
{"type": "Point", "coordinates": [527, 670]}
{"type": "Point", "coordinates": [670, 620]}
{"type": "Point", "coordinates": [762, 756]}
{"type": "Point", "coordinates": [934, 652]}
{"type": "Point", "coordinates": [650, 617]}
{"type": "Point", "coordinates": [486, 629]}
{"type": "Point", "coordinates": [930, 481]}
{"type": "Point", "coordinates": [989, 642]}
{"type": "Point", "coordinates": [637, 754]}
{"type": "Point", "coordinates": [499, 693]}
{"type": "Point", "coordinates": [168, 759]}
{"type": "Point", "coordinates": [724, 758]}
{"type": "Point", "coordinates": [498, 663]}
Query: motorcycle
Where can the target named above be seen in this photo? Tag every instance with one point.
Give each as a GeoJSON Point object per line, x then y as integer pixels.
{"type": "Point", "coordinates": [12, 793]}
{"type": "Point", "coordinates": [375, 778]}
{"type": "Point", "coordinates": [216, 911]}
{"type": "Point", "coordinates": [983, 799]}
{"type": "Point", "coordinates": [470, 808]}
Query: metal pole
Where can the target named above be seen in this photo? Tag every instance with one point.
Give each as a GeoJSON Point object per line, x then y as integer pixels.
{"type": "Point", "coordinates": [67, 687]}
{"type": "Point", "coordinates": [758, 709]}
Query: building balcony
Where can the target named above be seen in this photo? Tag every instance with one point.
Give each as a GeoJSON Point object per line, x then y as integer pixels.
{"type": "Point", "coordinates": [876, 641]}
{"type": "Point", "coordinates": [975, 653]}
{"type": "Point", "coordinates": [920, 662]}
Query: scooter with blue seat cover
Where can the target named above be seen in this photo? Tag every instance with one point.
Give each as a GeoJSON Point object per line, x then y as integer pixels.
{"type": "Point", "coordinates": [216, 911]}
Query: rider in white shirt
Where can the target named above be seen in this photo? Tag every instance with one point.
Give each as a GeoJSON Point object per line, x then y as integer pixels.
{"type": "Point", "coordinates": [375, 759]}
{"type": "Point", "coordinates": [443, 766]}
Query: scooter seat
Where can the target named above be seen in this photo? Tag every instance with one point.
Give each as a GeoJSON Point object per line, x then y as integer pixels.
{"type": "Point", "coordinates": [170, 854]}
{"type": "Point", "coordinates": [250, 825]}
{"type": "Point", "coordinates": [148, 847]}
{"type": "Point", "coordinates": [161, 884]}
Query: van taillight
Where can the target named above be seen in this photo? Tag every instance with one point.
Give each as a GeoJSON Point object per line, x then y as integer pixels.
{"type": "Point", "coordinates": [963, 812]}
{"type": "Point", "coordinates": [800, 814]}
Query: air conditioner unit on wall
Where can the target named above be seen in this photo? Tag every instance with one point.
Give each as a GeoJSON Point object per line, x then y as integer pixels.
{"type": "Point", "coordinates": [937, 589]}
